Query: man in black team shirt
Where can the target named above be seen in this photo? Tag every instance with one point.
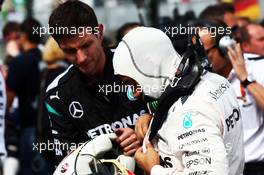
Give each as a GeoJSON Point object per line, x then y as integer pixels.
{"type": "Point", "coordinates": [78, 107]}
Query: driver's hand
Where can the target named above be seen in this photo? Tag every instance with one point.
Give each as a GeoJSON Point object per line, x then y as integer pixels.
{"type": "Point", "coordinates": [128, 140]}
{"type": "Point", "coordinates": [148, 159]}
{"type": "Point", "coordinates": [142, 125]}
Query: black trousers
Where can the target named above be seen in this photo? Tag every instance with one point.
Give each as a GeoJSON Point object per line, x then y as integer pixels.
{"type": "Point", "coordinates": [254, 168]}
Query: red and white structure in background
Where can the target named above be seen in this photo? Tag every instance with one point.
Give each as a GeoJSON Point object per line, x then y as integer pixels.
{"type": "Point", "coordinates": [249, 8]}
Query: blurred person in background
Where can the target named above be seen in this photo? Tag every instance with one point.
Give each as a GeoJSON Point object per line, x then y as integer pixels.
{"type": "Point", "coordinates": [252, 44]}
{"type": "Point", "coordinates": [23, 82]}
{"type": "Point", "coordinates": [252, 41]}
{"type": "Point", "coordinates": [179, 40]}
{"type": "Point", "coordinates": [223, 11]}
{"type": "Point", "coordinates": [124, 29]}
{"type": "Point", "coordinates": [11, 32]}
{"type": "Point", "coordinates": [247, 79]}
{"type": "Point", "coordinates": [3, 152]}
{"type": "Point", "coordinates": [243, 21]}
{"type": "Point", "coordinates": [53, 65]}
{"type": "Point", "coordinates": [77, 108]}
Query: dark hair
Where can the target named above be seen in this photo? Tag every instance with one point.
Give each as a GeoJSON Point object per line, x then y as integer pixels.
{"type": "Point", "coordinates": [227, 7]}
{"type": "Point", "coordinates": [72, 13]}
{"type": "Point", "coordinates": [216, 12]}
{"type": "Point", "coordinates": [215, 24]}
{"type": "Point", "coordinates": [209, 24]}
{"type": "Point", "coordinates": [243, 35]}
{"type": "Point", "coordinates": [245, 18]}
{"type": "Point", "coordinates": [123, 28]}
{"type": "Point", "coordinates": [10, 27]}
{"type": "Point", "coordinates": [28, 27]}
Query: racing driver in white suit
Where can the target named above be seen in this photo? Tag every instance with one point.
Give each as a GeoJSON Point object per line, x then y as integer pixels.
{"type": "Point", "coordinates": [202, 132]}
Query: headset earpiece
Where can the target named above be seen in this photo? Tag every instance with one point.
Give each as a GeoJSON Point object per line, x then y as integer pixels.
{"type": "Point", "coordinates": [225, 42]}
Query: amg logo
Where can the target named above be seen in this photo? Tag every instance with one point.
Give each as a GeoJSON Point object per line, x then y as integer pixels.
{"type": "Point", "coordinates": [200, 173]}
{"type": "Point", "coordinates": [219, 91]}
{"type": "Point", "coordinates": [191, 153]}
{"type": "Point", "coordinates": [193, 132]}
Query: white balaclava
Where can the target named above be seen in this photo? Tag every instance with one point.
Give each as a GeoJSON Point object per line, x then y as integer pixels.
{"type": "Point", "coordinates": [147, 55]}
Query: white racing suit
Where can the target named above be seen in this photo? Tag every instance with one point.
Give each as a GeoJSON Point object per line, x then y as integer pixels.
{"type": "Point", "coordinates": [203, 133]}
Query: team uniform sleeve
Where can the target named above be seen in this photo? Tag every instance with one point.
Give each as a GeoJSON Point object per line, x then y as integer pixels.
{"type": "Point", "coordinates": [63, 131]}
{"type": "Point", "coordinates": [195, 146]}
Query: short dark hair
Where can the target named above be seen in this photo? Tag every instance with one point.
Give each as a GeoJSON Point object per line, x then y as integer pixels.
{"type": "Point", "coordinates": [72, 13]}
{"type": "Point", "coordinates": [10, 27]}
{"type": "Point", "coordinates": [123, 28]}
{"type": "Point", "coordinates": [245, 18]}
{"type": "Point", "coordinates": [201, 23]}
{"type": "Point", "coordinates": [216, 12]}
{"type": "Point", "coordinates": [28, 27]}
{"type": "Point", "coordinates": [243, 35]}
{"type": "Point", "coordinates": [227, 7]}
{"type": "Point", "coordinates": [212, 12]}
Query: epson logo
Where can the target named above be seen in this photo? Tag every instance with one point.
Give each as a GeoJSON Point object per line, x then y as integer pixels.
{"type": "Point", "coordinates": [190, 133]}
{"type": "Point", "coordinates": [201, 161]}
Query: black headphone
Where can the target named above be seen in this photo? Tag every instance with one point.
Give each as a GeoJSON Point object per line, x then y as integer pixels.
{"type": "Point", "coordinates": [222, 40]}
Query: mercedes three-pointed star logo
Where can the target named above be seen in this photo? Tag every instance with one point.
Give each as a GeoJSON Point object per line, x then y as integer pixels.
{"type": "Point", "coordinates": [76, 109]}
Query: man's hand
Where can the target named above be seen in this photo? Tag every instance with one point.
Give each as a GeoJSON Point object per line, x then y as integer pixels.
{"type": "Point", "coordinates": [148, 159]}
{"type": "Point", "coordinates": [237, 60]}
{"type": "Point", "coordinates": [142, 125]}
{"type": "Point", "coordinates": [128, 140]}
